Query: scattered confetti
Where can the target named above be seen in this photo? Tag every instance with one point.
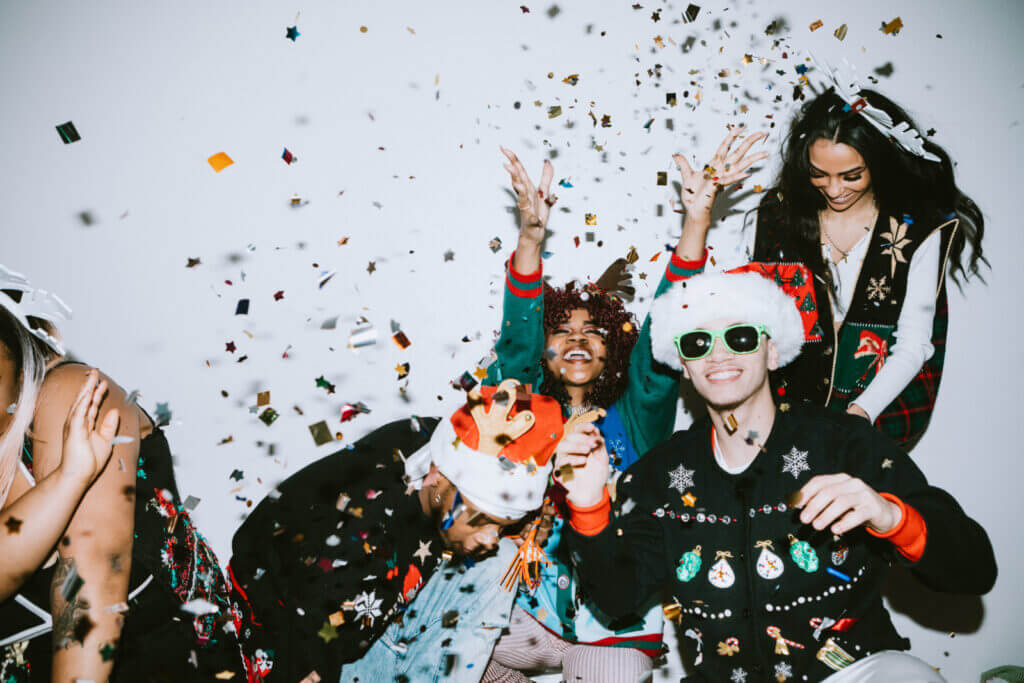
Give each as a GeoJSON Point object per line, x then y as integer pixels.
{"type": "Point", "coordinates": [288, 157]}
{"type": "Point", "coordinates": [816, 25]}
{"type": "Point", "coordinates": [321, 433]}
{"type": "Point", "coordinates": [268, 416]}
{"type": "Point", "coordinates": [292, 33]}
{"type": "Point", "coordinates": [840, 32]}
{"type": "Point", "coordinates": [590, 218]}
{"type": "Point", "coordinates": [68, 133]}
{"type": "Point", "coordinates": [220, 161]}
{"type": "Point", "coordinates": [691, 13]}
{"type": "Point", "coordinates": [893, 27]}
{"type": "Point", "coordinates": [13, 525]}
{"type": "Point", "coordinates": [192, 263]}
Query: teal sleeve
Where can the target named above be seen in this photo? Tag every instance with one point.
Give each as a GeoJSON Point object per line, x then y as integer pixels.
{"type": "Point", "coordinates": [648, 407]}
{"type": "Point", "coordinates": [520, 344]}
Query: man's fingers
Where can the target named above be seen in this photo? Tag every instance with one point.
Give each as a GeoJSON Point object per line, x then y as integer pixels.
{"type": "Point", "coordinates": [851, 520]}
{"type": "Point", "coordinates": [833, 511]}
{"type": "Point", "coordinates": [815, 484]}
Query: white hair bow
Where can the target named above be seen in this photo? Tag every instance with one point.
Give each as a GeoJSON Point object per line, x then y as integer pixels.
{"type": "Point", "coordinates": [37, 303]}
{"type": "Point", "coordinates": [848, 88]}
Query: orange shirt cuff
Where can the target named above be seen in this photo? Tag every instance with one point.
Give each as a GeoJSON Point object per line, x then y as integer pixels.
{"type": "Point", "coordinates": [910, 535]}
{"type": "Point", "coordinates": [590, 521]}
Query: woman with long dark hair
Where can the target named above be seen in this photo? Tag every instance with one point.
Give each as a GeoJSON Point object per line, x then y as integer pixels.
{"type": "Point", "coordinates": [580, 345]}
{"type": "Point", "coordinates": [873, 210]}
{"type": "Point", "coordinates": [103, 575]}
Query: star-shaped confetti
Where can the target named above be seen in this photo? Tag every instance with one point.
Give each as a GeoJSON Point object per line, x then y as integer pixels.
{"type": "Point", "coordinates": [292, 33]}
{"type": "Point", "coordinates": [13, 525]}
{"type": "Point", "coordinates": [107, 652]}
{"type": "Point", "coordinates": [237, 475]}
{"type": "Point", "coordinates": [480, 373]}
{"type": "Point", "coordinates": [371, 267]}
{"type": "Point", "coordinates": [680, 479]}
{"type": "Point", "coordinates": [278, 295]}
{"type": "Point", "coordinates": [887, 463]}
{"type": "Point", "coordinates": [423, 552]}
{"type": "Point", "coordinates": [322, 383]}
{"type": "Point", "coordinates": [327, 632]}
{"type": "Point", "coordinates": [689, 500]}
{"type": "Point", "coordinates": [230, 347]}
{"type": "Point", "coordinates": [795, 462]}
{"type": "Point", "coordinates": [192, 263]}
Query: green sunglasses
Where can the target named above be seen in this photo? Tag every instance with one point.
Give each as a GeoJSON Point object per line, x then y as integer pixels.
{"type": "Point", "coordinates": [741, 339]}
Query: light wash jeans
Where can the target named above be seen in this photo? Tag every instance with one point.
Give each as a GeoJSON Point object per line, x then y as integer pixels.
{"type": "Point", "coordinates": [456, 654]}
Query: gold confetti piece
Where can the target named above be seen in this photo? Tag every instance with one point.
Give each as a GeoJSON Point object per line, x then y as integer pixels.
{"type": "Point", "coordinates": [571, 79]}
{"type": "Point", "coordinates": [758, 189]}
{"type": "Point", "coordinates": [321, 433]}
{"type": "Point", "coordinates": [816, 25]}
{"type": "Point", "coordinates": [673, 611]}
{"type": "Point", "coordinates": [220, 161]}
{"type": "Point", "coordinates": [337, 619]}
{"type": "Point", "coordinates": [554, 112]}
{"type": "Point", "coordinates": [447, 555]}
{"type": "Point", "coordinates": [731, 425]}
{"type": "Point", "coordinates": [893, 27]}
{"type": "Point", "coordinates": [632, 256]}
{"type": "Point", "coordinates": [590, 218]}
{"type": "Point", "coordinates": [263, 398]}
{"type": "Point", "coordinates": [225, 675]}
{"type": "Point", "coordinates": [627, 327]}
{"type": "Point", "coordinates": [410, 30]}
{"type": "Point", "coordinates": [662, 178]}
{"type": "Point", "coordinates": [793, 499]}
{"type": "Point", "coordinates": [840, 32]}
{"type": "Point", "coordinates": [363, 29]}
{"type": "Point", "coordinates": [296, 200]}
{"type": "Point", "coordinates": [401, 341]}
{"type": "Point", "coordinates": [689, 500]}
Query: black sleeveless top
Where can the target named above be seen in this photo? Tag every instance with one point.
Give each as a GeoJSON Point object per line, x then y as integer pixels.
{"type": "Point", "coordinates": [172, 564]}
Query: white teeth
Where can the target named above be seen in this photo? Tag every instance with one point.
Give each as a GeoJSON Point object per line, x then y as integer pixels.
{"type": "Point", "coordinates": [577, 354]}
{"type": "Point", "coordinates": [723, 374]}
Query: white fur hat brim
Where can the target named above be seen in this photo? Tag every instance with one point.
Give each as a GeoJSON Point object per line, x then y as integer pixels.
{"type": "Point", "coordinates": [737, 297]}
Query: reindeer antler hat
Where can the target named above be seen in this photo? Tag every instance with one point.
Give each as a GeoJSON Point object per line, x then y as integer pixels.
{"type": "Point", "coordinates": [496, 449]}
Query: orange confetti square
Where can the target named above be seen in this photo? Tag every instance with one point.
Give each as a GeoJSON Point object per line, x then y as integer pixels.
{"type": "Point", "coordinates": [816, 25]}
{"type": "Point", "coordinates": [893, 27]}
{"type": "Point", "coordinates": [220, 161]}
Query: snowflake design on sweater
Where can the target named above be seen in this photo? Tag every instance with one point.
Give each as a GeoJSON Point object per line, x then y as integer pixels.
{"type": "Point", "coordinates": [680, 478]}
{"type": "Point", "coordinates": [738, 676]}
{"type": "Point", "coordinates": [878, 288]}
{"type": "Point", "coordinates": [367, 607]}
{"type": "Point", "coordinates": [795, 462]}
{"type": "Point", "coordinates": [783, 671]}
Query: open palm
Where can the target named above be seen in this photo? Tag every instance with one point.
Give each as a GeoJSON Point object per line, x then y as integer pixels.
{"type": "Point", "coordinates": [725, 168]}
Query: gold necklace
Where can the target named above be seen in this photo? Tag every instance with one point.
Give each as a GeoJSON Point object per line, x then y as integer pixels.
{"type": "Point", "coordinates": [828, 235]}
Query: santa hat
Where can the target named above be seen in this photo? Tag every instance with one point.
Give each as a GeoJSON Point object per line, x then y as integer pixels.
{"type": "Point", "coordinates": [778, 296]}
{"type": "Point", "coordinates": [496, 449]}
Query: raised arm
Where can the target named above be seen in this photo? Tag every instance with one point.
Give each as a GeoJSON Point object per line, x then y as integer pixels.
{"type": "Point", "coordinates": [520, 344]}
{"type": "Point", "coordinates": [97, 545]}
{"type": "Point", "coordinates": [36, 521]}
{"type": "Point", "coordinates": [700, 188]}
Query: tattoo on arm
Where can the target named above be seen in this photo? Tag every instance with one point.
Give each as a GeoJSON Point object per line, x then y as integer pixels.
{"type": "Point", "coordinates": [71, 622]}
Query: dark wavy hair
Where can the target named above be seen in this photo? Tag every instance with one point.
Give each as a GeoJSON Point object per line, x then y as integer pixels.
{"type": "Point", "coordinates": [607, 312]}
{"type": "Point", "coordinates": [903, 183]}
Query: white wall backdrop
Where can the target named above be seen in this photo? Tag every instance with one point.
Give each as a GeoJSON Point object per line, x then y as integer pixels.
{"type": "Point", "coordinates": [396, 130]}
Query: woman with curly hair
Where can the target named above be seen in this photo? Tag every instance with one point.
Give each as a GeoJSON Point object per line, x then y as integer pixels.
{"type": "Point", "coordinates": [580, 345]}
{"type": "Point", "coordinates": [872, 209]}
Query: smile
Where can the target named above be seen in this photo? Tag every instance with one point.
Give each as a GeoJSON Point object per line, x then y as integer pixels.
{"type": "Point", "coordinates": [722, 376]}
{"type": "Point", "coordinates": [841, 200]}
{"type": "Point", "coordinates": [577, 355]}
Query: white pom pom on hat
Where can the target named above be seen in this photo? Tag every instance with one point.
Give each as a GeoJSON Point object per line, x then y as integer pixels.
{"type": "Point", "coordinates": [737, 297]}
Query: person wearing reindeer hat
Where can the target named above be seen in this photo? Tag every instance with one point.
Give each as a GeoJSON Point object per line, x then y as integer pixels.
{"type": "Point", "coordinates": [324, 566]}
{"type": "Point", "coordinates": [771, 526]}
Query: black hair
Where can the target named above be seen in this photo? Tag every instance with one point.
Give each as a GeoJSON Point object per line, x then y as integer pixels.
{"type": "Point", "coordinates": [902, 183]}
